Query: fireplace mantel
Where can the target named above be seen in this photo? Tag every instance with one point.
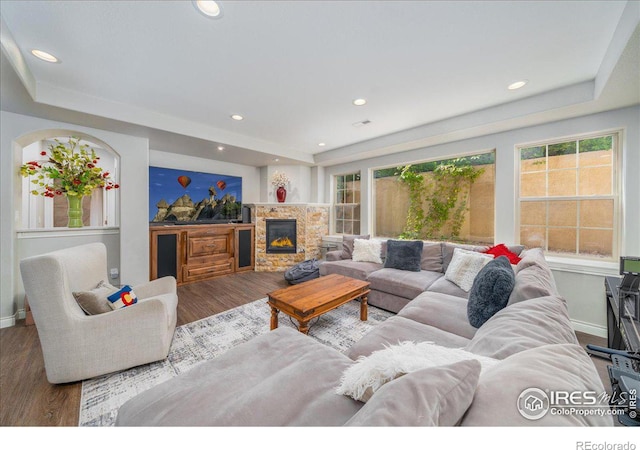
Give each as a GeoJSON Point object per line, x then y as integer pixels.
{"type": "Point", "coordinates": [312, 223]}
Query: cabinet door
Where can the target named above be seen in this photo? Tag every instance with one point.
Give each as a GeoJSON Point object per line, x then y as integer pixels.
{"type": "Point", "coordinates": [244, 249]}
{"type": "Point", "coordinates": [165, 254]}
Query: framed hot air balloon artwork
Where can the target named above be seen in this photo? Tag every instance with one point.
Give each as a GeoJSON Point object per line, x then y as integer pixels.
{"type": "Point", "coordinates": [183, 196]}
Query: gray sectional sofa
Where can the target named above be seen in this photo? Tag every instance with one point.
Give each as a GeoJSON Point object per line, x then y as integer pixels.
{"type": "Point", "coordinates": [284, 378]}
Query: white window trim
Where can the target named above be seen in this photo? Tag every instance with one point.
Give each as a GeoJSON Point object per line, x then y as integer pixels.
{"type": "Point", "coordinates": [580, 263]}
{"type": "Point", "coordinates": [334, 191]}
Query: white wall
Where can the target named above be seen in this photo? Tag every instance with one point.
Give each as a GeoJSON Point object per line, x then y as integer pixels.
{"type": "Point", "coordinates": [582, 285]}
{"type": "Point", "coordinates": [298, 190]}
{"type": "Point", "coordinates": [132, 246]}
{"type": "Point", "coordinates": [251, 186]}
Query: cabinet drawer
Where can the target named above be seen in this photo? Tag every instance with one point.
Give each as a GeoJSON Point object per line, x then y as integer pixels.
{"type": "Point", "coordinates": [204, 246]}
{"type": "Point", "coordinates": [194, 273]}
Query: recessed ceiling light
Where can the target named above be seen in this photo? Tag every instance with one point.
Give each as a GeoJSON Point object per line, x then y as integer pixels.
{"type": "Point", "coordinates": [517, 85]}
{"type": "Point", "coordinates": [209, 8]}
{"type": "Point", "coordinates": [236, 117]}
{"type": "Point", "coordinates": [276, 159]}
{"type": "Point", "coordinates": [321, 144]}
{"type": "Point", "coordinates": [220, 148]}
{"type": "Point", "coordinates": [48, 57]}
{"type": "Point", "coordinates": [359, 102]}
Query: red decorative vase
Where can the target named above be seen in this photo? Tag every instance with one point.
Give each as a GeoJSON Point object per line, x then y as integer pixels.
{"type": "Point", "coordinates": [281, 193]}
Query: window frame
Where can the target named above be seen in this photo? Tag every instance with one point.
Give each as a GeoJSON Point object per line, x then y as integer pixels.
{"type": "Point", "coordinates": [615, 196]}
{"type": "Point", "coordinates": [444, 157]}
{"type": "Point", "coordinates": [334, 203]}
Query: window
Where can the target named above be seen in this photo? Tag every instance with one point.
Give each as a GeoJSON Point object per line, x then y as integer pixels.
{"type": "Point", "coordinates": [346, 207]}
{"type": "Point", "coordinates": [450, 199]}
{"type": "Point", "coordinates": [99, 209]}
{"type": "Point", "coordinates": [568, 196]}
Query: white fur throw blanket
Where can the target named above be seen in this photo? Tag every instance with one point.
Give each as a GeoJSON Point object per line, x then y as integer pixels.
{"type": "Point", "coordinates": [369, 373]}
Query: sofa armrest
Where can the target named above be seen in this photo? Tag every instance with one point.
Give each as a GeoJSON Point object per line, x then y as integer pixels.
{"type": "Point", "coordinates": [335, 255]}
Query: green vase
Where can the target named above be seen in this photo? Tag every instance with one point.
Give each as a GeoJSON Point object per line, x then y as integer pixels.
{"type": "Point", "coordinates": [75, 211]}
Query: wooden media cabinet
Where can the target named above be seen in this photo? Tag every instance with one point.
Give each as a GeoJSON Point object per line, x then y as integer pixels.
{"type": "Point", "coordinates": [200, 252]}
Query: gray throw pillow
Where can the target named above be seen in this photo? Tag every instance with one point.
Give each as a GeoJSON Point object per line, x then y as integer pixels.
{"type": "Point", "coordinates": [95, 301]}
{"type": "Point", "coordinates": [404, 255]}
{"type": "Point", "coordinates": [347, 244]}
{"type": "Point", "coordinates": [490, 290]}
{"type": "Point", "coordinates": [436, 396]}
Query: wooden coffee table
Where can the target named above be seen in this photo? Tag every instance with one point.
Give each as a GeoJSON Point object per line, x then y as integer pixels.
{"type": "Point", "coordinates": [311, 299]}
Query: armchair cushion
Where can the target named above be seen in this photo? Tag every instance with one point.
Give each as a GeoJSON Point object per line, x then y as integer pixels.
{"type": "Point", "coordinates": [95, 301]}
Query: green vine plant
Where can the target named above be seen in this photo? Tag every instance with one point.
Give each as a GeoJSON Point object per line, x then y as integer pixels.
{"type": "Point", "coordinates": [415, 216]}
{"type": "Point", "coordinates": [437, 209]}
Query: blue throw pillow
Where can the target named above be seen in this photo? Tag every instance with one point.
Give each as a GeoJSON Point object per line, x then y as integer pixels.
{"type": "Point", "coordinates": [404, 255]}
{"type": "Point", "coordinates": [490, 290]}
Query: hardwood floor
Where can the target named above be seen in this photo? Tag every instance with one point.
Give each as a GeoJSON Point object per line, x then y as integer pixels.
{"type": "Point", "coordinates": [28, 399]}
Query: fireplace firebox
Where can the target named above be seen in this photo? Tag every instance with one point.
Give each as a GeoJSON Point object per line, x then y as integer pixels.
{"type": "Point", "coordinates": [281, 235]}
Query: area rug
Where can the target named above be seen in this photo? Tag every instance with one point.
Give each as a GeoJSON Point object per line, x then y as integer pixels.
{"type": "Point", "coordinates": [197, 342]}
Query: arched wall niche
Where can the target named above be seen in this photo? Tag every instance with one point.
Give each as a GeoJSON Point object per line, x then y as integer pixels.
{"type": "Point", "coordinates": [101, 209]}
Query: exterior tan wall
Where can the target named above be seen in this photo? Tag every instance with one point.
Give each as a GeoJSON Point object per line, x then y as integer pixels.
{"type": "Point", "coordinates": [479, 219]}
{"type": "Point", "coordinates": [571, 223]}
{"type": "Point", "coordinates": [580, 174]}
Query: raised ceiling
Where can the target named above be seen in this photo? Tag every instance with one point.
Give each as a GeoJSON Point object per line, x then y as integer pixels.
{"type": "Point", "coordinates": [429, 69]}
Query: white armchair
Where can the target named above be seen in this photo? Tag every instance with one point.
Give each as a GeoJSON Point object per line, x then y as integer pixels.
{"type": "Point", "coordinates": [77, 346]}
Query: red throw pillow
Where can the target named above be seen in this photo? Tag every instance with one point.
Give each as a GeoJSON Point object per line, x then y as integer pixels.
{"type": "Point", "coordinates": [502, 250]}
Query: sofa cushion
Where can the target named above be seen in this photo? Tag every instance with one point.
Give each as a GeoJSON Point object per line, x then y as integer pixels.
{"type": "Point", "coordinates": [449, 247]}
{"type": "Point", "coordinates": [363, 379]}
{"type": "Point", "coordinates": [402, 283]}
{"type": "Point", "coordinates": [347, 244]}
{"type": "Point", "coordinates": [561, 367]}
{"type": "Point", "coordinates": [230, 389]}
{"type": "Point", "coordinates": [490, 291]}
{"type": "Point", "coordinates": [386, 301]}
{"type": "Point", "coordinates": [522, 326]}
{"type": "Point", "coordinates": [334, 255]}
{"type": "Point", "coordinates": [436, 396]}
{"type": "Point", "coordinates": [431, 257]}
{"type": "Point", "coordinates": [446, 312]}
{"type": "Point", "coordinates": [349, 268]}
{"type": "Point", "coordinates": [367, 250]}
{"type": "Point", "coordinates": [533, 278]}
{"type": "Point", "coordinates": [465, 266]}
{"type": "Point", "coordinates": [398, 329]}
{"type": "Point", "coordinates": [444, 286]}
{"type": "Point", "coordinates": [404, 255]}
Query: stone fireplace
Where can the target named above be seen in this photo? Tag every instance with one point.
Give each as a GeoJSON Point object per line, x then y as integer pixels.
{"type": "Point", "coordinates": [281, 235]}
{"type": "Point", "coordinates": [311, 222]}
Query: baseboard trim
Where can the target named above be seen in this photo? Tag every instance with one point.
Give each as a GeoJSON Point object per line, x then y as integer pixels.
{"type": "Point", "coordinates": [10, 321]}
{"type": "Point", "coordinates": [6, 322]}
{"type": "Point", "coordinates": [589, 328]}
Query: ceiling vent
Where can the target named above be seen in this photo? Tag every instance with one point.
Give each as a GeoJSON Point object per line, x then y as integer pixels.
{"type": "Point", "coordinates": [362, 123]}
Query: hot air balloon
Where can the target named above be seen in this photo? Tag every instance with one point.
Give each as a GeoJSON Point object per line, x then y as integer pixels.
{"type": "Point", "coordinates": [184, 181]}
{"type": "Point", "coordinates": [221, 185]}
